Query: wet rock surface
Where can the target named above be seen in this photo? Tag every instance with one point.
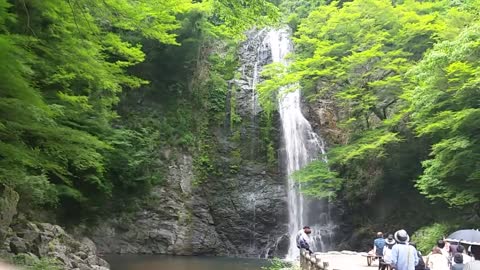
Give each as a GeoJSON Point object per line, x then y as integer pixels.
{"type": "Point", "coordinates": [241, 215]}
{"type": "Point", "coordinates": [173, 219]}
{"type": "Point", "coordinates": [250, 214]}
{"type": "Point", "coordinates": [238, 211]}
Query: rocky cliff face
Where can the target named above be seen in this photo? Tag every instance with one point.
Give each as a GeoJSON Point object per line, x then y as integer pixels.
{"type": "Point", "coordinates": [32, 241]}
{"type": "Point", "coordinates": [29, 242]}
{"type": "Point", "coordinates": [238, 211]}
{"type": "Point", "coordinates": [239, 215]}
{"type": "Point", "coordinates": [173, 219]}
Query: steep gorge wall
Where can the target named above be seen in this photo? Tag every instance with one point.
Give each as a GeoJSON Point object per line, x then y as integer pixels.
{"type": "Point", "coordinates": [237, 209]}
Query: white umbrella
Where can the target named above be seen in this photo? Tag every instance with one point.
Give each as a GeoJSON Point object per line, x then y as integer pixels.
{"type": "Point", "coordinates": [469, 237]}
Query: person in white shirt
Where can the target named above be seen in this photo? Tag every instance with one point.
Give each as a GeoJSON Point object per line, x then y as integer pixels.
{"type": "Point", "coordinates": [404, 256]}
{"type": "Point", "coordinates": [441, 245]}
{"type": "Point", "coordinates": [386, 260]}
{"type": "Point", "coordinates": [438, 261]}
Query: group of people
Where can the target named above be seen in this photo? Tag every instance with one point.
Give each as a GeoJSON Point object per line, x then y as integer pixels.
{"type": "Point", "coordinates": [398, 253]}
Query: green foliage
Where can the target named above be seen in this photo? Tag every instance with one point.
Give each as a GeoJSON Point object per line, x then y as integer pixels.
{"type": "Point", "coordinates": [445, 107]}
{"type": "Point", "coordinates": [369, 145]}
{"type": "Point", "coordinates": [231, 18]}
{"type": "Point", "coordinates": [32, 263]}
{"type": "Point", "coordinates": [360, 52]}
{"type": "Point", "coordinates": [317, 180]}
{"type": "Point", "coordinates": [204, 162]}
{"type": "Point", "coordinates": [66, 64]}
{"type": "Point", "coordinates": [405, 86]}
{"type": "Point", "coordinates": [132, 164]}
{"type": "Point", "coordinates": [277, 264]}
{"type": "Point", "coordinates": [426, 237]}
{"type": "Point", "coordinates": [60, 84]}
{"type": "Point", "coordinates": [212, 95]}
{"type": "Point", "coordinates": [294, 11]}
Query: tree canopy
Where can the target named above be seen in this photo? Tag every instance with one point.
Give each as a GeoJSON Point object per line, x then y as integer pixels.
{"type": "Point", "coordinates": [65, 66]}
{"type": "Point", "coordinates": [402, 75]}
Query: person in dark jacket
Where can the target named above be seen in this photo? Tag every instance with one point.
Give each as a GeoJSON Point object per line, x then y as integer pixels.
{"type": "Point", "coordinates": [421, 263]}
{"type": "Point", "coordinates": [303, 239]}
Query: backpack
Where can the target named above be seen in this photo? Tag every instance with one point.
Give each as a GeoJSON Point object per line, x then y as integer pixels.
{"type": "Point", "coordinates": [421, 263]}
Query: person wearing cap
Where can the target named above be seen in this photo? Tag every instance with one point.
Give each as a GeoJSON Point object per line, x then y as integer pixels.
{"type": "Point", "coordinates": [386, 261]}
{"type": "Point", "coordinates": [303, 239]}
{"type": "Point", "coordinates": [404, 256]}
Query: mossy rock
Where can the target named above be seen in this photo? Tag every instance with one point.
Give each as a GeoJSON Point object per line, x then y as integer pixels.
{"type": "Point", "coordinates": [8, 209]}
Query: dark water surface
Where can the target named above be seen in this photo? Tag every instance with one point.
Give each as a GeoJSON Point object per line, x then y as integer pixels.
{"type": "Point", "coordinates": [147, 262]}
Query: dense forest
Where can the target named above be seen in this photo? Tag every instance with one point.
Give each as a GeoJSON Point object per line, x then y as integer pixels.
{"type": "Point", "coordinates": [66, 65]}
{"type": "Point", "coordinates": [94, 95]}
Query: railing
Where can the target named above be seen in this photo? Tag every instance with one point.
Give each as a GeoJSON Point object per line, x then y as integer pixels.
{"type": "Point", "coordinates": [311, 261]}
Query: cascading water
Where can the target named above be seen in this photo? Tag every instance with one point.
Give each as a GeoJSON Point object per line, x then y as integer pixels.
{"type": "Point", "coordinates": [302, 145]}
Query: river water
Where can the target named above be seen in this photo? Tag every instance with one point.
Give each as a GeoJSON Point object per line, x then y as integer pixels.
{"type": "Point", "coordinates": [156, 262]}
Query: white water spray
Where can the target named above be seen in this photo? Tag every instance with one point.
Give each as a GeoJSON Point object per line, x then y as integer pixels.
{"type": "Point", "coordinates": [302, 146]}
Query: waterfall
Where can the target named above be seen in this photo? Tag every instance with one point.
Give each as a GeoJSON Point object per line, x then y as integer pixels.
{"type": "Point", "coordinates": [302, 145]}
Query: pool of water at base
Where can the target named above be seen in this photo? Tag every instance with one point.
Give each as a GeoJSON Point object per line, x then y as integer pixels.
{"type": "Point", "coordinates": [158, 262]}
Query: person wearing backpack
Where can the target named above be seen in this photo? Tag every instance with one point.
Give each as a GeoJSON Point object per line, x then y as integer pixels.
{"type": "Point", "coordinates": [404, 256]}
{"type": "Point", "coordinates": [421, 263]}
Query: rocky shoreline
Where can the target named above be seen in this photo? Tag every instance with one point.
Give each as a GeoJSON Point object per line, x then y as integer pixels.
{"type": "Point", "coordinates": [32, 241]}
{"type": "Point", "coordinates": [29, 242]}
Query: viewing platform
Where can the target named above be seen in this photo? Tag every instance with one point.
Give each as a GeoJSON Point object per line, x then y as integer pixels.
{"type": "Point", "coordinates": [335, 260]}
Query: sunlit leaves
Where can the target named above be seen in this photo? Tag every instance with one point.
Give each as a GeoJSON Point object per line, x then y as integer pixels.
{"type": "Point", "coordinates": [317, 180]}
{"type": "Point", "coordinates": [445, 107]}
{"type": "Point", "coordinates": [364, 55]}
{"type": "Point", "coordinates": [63, 66]}
{"type": "Point", "coordinates": [231, 18]}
